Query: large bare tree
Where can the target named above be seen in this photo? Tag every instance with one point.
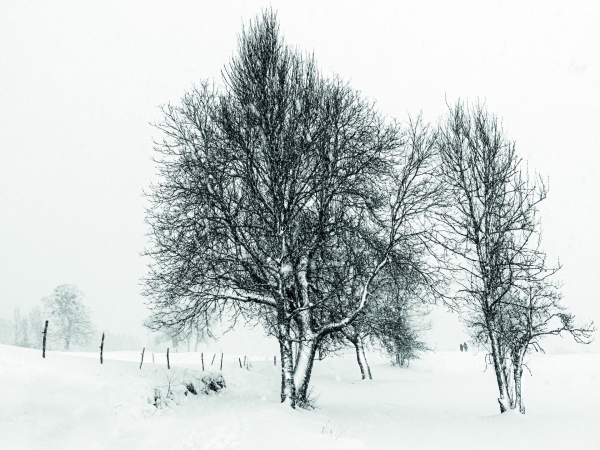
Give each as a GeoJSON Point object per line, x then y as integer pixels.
{"type": "Point", "coordinates": [277, 192]}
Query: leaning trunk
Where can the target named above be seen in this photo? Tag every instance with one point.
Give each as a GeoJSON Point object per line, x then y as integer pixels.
{"type": "Point", "coordinates": [500, 379]}
{"type": "Point", "coordinates": [362, 349]}
{"type": "Point", "coordinates": [358, 358]}
{"type": "Point", "coordinates": [303, 369]}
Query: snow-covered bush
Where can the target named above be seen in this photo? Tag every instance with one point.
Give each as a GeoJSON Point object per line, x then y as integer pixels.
{"type": "Point", "coordinates": [204, 382]}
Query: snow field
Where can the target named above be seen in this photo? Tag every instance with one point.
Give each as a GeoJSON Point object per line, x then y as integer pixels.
{"type": "Point", "coordinates": [444, 401]}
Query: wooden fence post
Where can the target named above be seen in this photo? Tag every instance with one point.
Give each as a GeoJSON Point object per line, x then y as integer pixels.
{"type": "Point", "coordinates": [168, 365]}
{"type": "Point", "coordinates": [213, 360]}
{"type": "Point", "coordinates": [44, 344]}
{"type": "Point", "coordinates": [221, 369]}
{"type": "Point", "coordinates": [142, 361]}
{"type": "Point", "coordinates": [240, 360]}
{"type": "Point", "coordinates": [202, 359]}
{"type": "Point", "coordinates": [101, 348]}
{"type": "Point", "coordinates": [274, 360]}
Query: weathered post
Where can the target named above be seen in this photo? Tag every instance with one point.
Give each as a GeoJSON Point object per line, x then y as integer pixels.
{"type": "Point", "coordinates": [168, 365]}
{"type": "Point", "coordinates": [101, 348]}
{"type": "Point", "coordinates": [44, 344]}
{"type": "Point", "coordinates": [240, 360]}
{"type": "Point", "coordinates": [244, 361]}
{"type": "Point", "coordinates": [202, 359]}
{"type": "Point", "coordinates": [221, 369]}
{"type": "Point", "coordinates": [142, 361]}
{"type": "Point", "coordinates": [274, 360]}
{"type": "Point", "coordinates": [213, 360]}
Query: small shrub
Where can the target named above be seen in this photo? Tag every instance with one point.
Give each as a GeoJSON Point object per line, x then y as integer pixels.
{"type": "Point", "coordinates": [212, 383]}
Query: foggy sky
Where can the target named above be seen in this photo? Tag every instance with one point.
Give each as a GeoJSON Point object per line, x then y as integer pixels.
{"type": "Point", "coordinates": [81, 81]}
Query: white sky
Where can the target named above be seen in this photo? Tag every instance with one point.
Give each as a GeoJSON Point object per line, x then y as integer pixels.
{"type": "Point", "coordinates": [80, 81]}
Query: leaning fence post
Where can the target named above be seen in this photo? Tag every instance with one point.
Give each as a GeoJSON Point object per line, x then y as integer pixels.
{"type": "Point", "coordinates": [213, 360]}
{"type": "Point", "coordinates": [202, 359]}
{"type": "Point", "coordinates": [44, 344]}
{"type": "Point", "coordinates": [240, 360]}
{"type": "Point", "coordinates": [101, 348]}
{"type": "Point", "coordinates": [221, 369]}
{"type": "Point", "coordinates": [168, 365]}
{"type": "Point", "coordinates": [142, 361]}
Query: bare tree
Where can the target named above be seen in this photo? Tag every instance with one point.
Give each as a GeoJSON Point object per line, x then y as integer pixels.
{"type": "Point", "coordinates": [272, 188]}
{"type": "Point", "coordinates": [492, 227]}
{"type": "Point", "coordinates": [532, 311]}
{"type": "Point", "coordinates": [392, 322]}
{"type": "Point", "coordinates": [71, 318]}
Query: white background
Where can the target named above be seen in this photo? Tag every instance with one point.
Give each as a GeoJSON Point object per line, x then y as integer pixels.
{"type": "Point", "coordinates": [80, 82]}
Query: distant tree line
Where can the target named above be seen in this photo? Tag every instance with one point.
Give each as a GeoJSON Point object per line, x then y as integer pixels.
{"type": "Point", "coordinates": [69, 324]}
{"type": "Point", "coordinates": [23, 330]}
{"type": "Point", "coordinates": [286, 200]}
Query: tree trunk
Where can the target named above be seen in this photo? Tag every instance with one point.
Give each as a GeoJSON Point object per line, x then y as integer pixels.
{"type": "Point", "coordinates": [504, 406]}
{"type": "Point", "coordinates": [304, 364]}
{"type": "Point", "coordinates": [518, 376]}
{"type": "Point", "coordinates": [508, 379]}
{"type": "Point", "coordinates": [360, 364]}
{"type": "Point", "coordinates": [362, 349]}
{"type": "Point", "coordinates": [288, 390]}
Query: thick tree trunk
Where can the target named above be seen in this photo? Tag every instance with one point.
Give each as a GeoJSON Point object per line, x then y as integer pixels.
{"type": "Point", "coordinates": [288, 391]}
{"type": "Point", "coordinates": [304, 364]}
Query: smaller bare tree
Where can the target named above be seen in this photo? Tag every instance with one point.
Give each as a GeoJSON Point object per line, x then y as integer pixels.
{"type": "Point", "coordinates": [532, 312]}
{"type": "Point", "coordinates": [492, 227]}
{"type": "Point", "coordinates": [71, 318]}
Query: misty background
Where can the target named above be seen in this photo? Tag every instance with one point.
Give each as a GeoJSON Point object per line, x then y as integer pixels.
{"type": "Point", "coordinates": [80, 83]}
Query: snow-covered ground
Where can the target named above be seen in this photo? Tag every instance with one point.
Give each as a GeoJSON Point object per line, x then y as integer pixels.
{"type": "Point", "coordinates": [444, 401]}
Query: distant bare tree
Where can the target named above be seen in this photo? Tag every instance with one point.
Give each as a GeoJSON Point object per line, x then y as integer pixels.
{"type": "Point", "coordinates": [70, 318]}
{"type": "Point", "coordinates": [492, 227]}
